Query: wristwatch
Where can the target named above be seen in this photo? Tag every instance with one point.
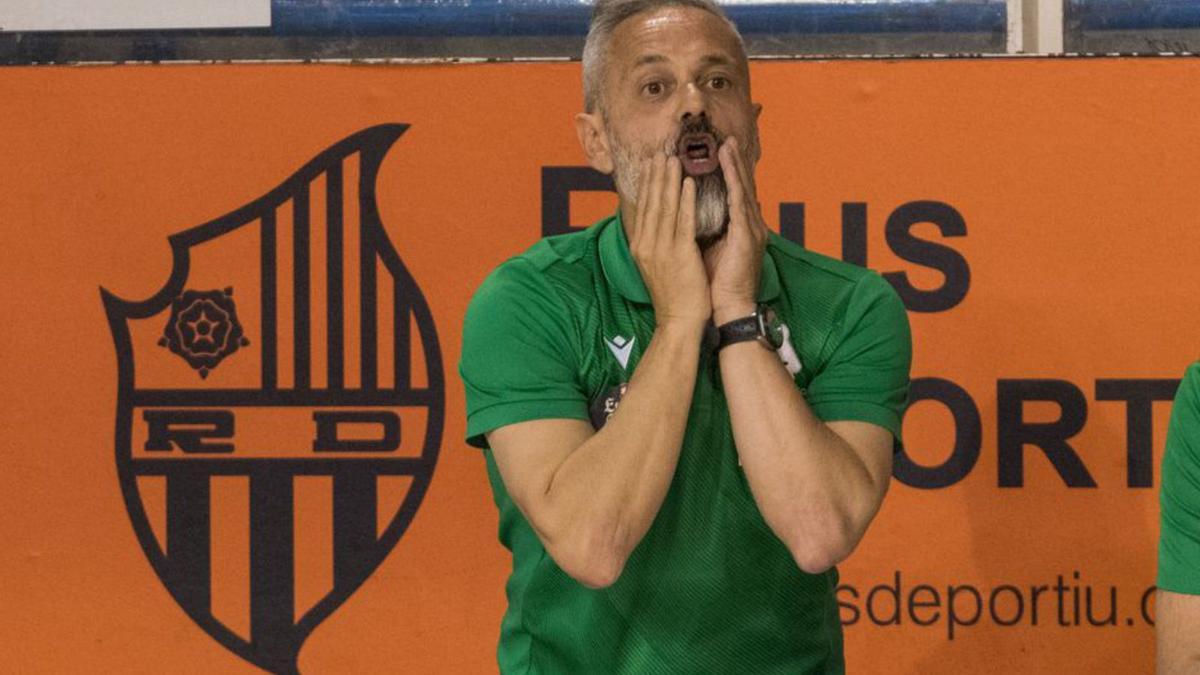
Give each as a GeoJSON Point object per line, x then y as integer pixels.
{"type": "Point", "coordinates": [763, 325]}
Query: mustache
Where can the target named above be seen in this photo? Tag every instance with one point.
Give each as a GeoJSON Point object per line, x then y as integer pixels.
{"type": "Point", "coordinates": [699, 125]}
{"type": "Point", "coordinates": [690, 126]}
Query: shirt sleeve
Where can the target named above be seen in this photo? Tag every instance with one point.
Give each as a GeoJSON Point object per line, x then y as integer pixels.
{"type": "Point", "coordinates": [518, 358]}
{"type": "Point", "coordinates": [1179, 498]}
{"type": "Point", "coordinates": [866, 375]}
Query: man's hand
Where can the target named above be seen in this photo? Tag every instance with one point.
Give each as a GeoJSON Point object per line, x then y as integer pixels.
{"type": "Point", "coordinates": [1177, 616]}
{"type": "Point", "coordinates": [662, 240]}
{"type": "Point", "coordinates": [735, 262]}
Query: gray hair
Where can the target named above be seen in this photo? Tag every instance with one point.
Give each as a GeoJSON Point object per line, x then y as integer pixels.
{"type": "Point", "coordinates": [606, 16]}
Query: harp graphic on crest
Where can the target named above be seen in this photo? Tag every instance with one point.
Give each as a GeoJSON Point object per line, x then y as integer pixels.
{"type": "Point", "coordinates": [280, 405]}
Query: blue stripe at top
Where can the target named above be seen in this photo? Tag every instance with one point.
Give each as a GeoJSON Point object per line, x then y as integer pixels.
{"type": "Point", "coordinates": [497, 18]}
{"type": "Point", "coordinates": [1101, 15]}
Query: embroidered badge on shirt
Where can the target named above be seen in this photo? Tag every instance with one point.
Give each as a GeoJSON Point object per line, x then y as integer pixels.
{"type": "Point", "coordinates": [604, 406]}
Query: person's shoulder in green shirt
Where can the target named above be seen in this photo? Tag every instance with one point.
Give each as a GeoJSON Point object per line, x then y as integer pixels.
{"type": "Point", "coordinates": [851, 330]}
{"type": "Point", "coordinates": [1179, 499]}
{"type": "Point", "coordinates": [520, 338]}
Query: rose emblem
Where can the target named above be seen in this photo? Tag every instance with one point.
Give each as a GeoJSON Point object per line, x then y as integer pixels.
{"type": "Point", "coordinates": [203, 328]}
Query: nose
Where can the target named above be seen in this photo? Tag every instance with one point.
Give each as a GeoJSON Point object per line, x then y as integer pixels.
{"type": "Point", "coordinates": [694, 102]}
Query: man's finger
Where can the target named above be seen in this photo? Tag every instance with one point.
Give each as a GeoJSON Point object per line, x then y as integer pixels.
{"type": "Point", "coordinates": [745, 180]}
{"type": "Point", "coordinates": [685, 225]}
{"type": "Point", "coordinates": [752, 206]}
{"type": "Point", "coordinates": [643, 190]}
{"type": "Point", "coordinates": [653, 199]}
{"type": "Point", "coordinates": [733, 181]}
{"type": "Point", "coordinates": [745, 203]}
{"type": "Point", "coordinates": [750, 196]}
{"type": "Point", "coordinates": [671, 194]}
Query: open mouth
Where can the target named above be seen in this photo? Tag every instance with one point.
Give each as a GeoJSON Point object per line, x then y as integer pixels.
{"type": "Point", "coordinates": [698, 154]}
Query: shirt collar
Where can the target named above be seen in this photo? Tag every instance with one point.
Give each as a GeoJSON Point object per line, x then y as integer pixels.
{"type": "Point", "coordinates": [622, 273]}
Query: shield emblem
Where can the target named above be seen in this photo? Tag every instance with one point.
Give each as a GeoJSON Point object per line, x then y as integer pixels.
{"type": "Point", "coordinates": [280, 405]}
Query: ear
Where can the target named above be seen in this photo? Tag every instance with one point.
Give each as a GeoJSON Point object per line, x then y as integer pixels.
{"type": "Point", "coordinates": [757, 111]}
{"type": "Point", "coordinates": [594, 141]}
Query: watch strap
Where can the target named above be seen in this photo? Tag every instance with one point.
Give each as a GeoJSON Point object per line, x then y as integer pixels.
{"type": "Point", "coordinates": [739, 330]}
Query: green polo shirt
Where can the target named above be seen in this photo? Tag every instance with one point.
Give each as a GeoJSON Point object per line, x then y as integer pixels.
{"type": "Point", "coordinates": [710, 588]}
{"type": "Point", "coordinates": [1179, 499]}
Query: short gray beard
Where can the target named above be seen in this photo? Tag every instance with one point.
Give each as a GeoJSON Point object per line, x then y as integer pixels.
{"type": "Point", "coordinates": [712, 203]}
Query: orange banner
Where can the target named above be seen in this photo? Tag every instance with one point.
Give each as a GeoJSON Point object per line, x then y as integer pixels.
{"type": "Point", "coordinates": [268, 471]}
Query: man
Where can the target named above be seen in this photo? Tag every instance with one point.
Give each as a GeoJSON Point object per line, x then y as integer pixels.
{"type": "Point", "coordinates": [674, 496]}
{"type": "Point", "coordinates": [1178, 603]}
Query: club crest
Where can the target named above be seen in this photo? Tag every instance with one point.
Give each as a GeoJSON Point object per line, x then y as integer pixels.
{"type": "Point", "coordinates": [267, 489]}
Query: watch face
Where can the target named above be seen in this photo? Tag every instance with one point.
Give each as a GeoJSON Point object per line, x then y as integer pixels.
{"type": "Point", "coordinates": [772, 327]}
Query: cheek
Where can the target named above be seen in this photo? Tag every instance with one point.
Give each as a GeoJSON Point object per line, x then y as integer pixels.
{"type": "Point", "coordinates": [645, 145]}
{"type": "Point", "coordinates": [735, 118]}
{"type": "Point", "coordinates": [645, 132]}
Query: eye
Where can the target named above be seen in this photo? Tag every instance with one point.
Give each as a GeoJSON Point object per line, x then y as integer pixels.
{"type": "Point", "coordinates": [654, 88]}
{"type": "Point", "coordinates": [718, 82]}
